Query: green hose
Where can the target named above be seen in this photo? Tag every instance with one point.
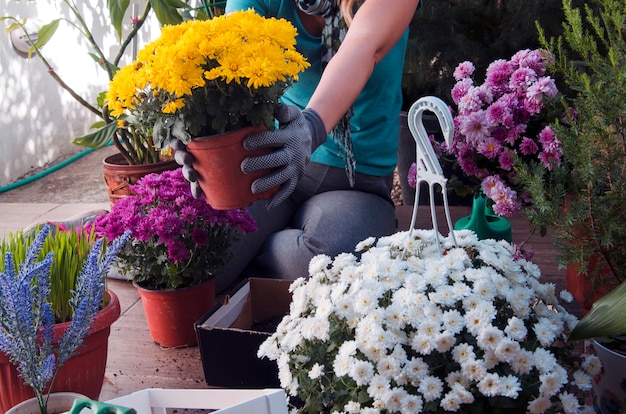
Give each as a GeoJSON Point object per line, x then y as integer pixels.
{"type": "Point", "coordinates": [45, 172]}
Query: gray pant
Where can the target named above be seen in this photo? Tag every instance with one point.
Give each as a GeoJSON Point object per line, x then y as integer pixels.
{"type": "Point", "coordinates": [324, 215]}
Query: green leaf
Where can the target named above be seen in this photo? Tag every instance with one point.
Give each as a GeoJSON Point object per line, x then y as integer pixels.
{"type": "Point", "coordinates": [607, 317]}
{"type": "Point", "coordinates": [117, 8]}
{"type": "Point", "coordinates": [97, 139]}
{"type": "Point", "coordinates": [166, 14]}
{"type": "Point", "coordinates": [45, 34]}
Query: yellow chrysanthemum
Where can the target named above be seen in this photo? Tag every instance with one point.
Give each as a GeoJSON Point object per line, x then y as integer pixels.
{"type": "Point", "coordinates": [171, 107]}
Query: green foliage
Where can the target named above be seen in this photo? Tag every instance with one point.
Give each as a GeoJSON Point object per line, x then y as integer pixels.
{"type": "Point", "coordinates": [583, 200]}
{"type": "Point", "coordinates": [70, 249]}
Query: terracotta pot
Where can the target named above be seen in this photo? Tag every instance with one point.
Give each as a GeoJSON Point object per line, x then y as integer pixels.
{"type": "Point", "coordinates": [579, 285]}
{"type": "Point", "coordinates": [119, 175]}
{"type": "Point", "coordinates": [218, 160]}
{"type": "Point", "coordinates": [172, 314]}
{"type": "Point", "coordinates": [59, 402]}
{"type": "Point", "coordinates": [82, 373]}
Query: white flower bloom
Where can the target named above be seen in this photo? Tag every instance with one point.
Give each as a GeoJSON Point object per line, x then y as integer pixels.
{"type": "Point", "coordinates": [444, 341]}
{"type": "Point", "coordinates": [365, 244]}
{"type": "Point", "coordinates": [490, 385]}
{"type": "Point", "coordinates": [516, 329]}
{"type": "Point", "coordinates": [552, 382]}
{"type": "Point", "coordinates": [422, 344]}
{"type": "Point", "coordinates": [475, 321]}
{"type": "Point", "coordinates": [315, 328]}
{"type": "Point", "coordinates": [352, 407]}
{"type": "Point", "coordinates": [431, 388]}
{"type": "Point", "coordinates": [566, 296]}
{"type": "Point", "coordinates": [342, 365]}
{"type": "Point", "coordinates": [544, 360]}
{"type": "Point", "coordinates": [453, 321]}
{"type": "Point", "coordinates": [463, 352]}
{"type": "Point", "coordinates": [546, 331]}
{"type": "Point", "coordinates": [316, 371]}
{"type": "Point", "coordinates": [411, 404]}
{"type": "Point", "coordinates": [394, 398]}
{"type": "Point", "coordinates": [450, 402]}
{"type": "Point", "coordinates": [456, 378]}
{"type": "Point", "coordinates": [490, 338]}
{"type": "Point", "coordinates": [319, 263]}
{"type": "Point", "coordinates": [379, 385]}
{"type": "Point", "coordinates": [510, 386]}
{"type": "Point", "coordinates": [539, 405]}
{"type": "Point", "coordinates": [507, 350]}
{"type": "Point", "coordinates": [361, 371]}
{"type": "Point", "coordinates": [582, 380]}
{"type": "Point", "coordinates": [484, 289]}
{"type": "Point", "coordinates": [569, 403]}
{"type": "Point", "coordinates": [474, 369]}
{"type": "Point", "coordinates": [388, 367]}
{"type": "Point", "coordinates": [523, 362]}
{"type": "Point", "coordinates": [592, 365]}
{"type": "Point", "coordinates": [416, 369]}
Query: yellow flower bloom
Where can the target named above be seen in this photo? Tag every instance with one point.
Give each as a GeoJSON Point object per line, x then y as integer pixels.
{"type": "Point", "coordinates": [203, 70]}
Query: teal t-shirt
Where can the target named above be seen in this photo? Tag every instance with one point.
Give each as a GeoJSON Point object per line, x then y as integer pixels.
{"type": "Point", "coordinates": [374, 125]}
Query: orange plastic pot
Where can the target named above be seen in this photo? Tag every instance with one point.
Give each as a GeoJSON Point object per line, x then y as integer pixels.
{"type": "Point", "coordinates": [172, 314]}
{"type": "Point", "coordinates": [83, 373]}
{"type": "Point", "coordinates": [217, 159]}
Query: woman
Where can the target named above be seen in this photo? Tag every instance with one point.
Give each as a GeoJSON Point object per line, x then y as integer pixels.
{"type": "Point", "coordinates": [335, 188]}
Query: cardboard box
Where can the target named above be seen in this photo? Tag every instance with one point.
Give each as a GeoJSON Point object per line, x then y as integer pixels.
{"type": "Point", "coordinates": [158, 401]}
{"type": "Point", "coordinates": [229, 345]}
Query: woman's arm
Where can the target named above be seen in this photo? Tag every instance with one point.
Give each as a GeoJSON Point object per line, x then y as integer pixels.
{"type": "Point", "coordinates": [375, 29]}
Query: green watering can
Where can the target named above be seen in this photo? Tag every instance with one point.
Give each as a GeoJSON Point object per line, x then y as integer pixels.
{"type": "Point", "coordinates": [484, 222]}
{"type": "Point", "coordinates": [99, 407]}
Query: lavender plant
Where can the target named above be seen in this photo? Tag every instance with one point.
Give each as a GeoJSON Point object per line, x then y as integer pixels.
{"type": "Point", "coordinates": [26, 317]}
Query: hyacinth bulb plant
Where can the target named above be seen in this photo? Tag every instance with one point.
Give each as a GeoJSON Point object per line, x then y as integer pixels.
{"type": "Point", "coordinates": [503, 122]}
{"type": "Point", "coordinates": [26, 315]}
{"type": "Point", "coordinates": [205, 77]}
{"type": "Point", "coordinates": [407, 328]}
{"type": "Point", "coordinates": [177, 240]}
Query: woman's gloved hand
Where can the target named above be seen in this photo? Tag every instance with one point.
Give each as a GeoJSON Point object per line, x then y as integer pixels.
{"type": "Point", "coordinates": [299, 134]}
{"type": "Point", "coordinates": [185, 160]}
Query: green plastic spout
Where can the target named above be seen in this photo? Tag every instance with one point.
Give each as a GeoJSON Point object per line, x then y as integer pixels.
{"type": "Point", "coordinates": [484, 222]}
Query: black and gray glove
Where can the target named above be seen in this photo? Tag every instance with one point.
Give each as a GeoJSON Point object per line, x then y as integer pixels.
{"type": "Point", "coordinates": [185, 160]}
{"type": "Point", "coordinates": [299, 134]}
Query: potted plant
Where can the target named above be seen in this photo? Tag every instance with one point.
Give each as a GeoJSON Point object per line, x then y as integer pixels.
{"type": "Point", "coordinates": [605, 325]}
{"type": "Point", "coordinates": [178, 245]}
{"type": "Point", "coordinates": [48, 307]}
{"type": "Point", "coordinates": [582, 200]}
{"type": "Point", "coordinates": [406, 327]}
{"type": "Point", "coordinates": [205, 78]}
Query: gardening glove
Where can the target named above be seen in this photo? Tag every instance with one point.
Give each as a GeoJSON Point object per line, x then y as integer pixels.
{"type": "Point", "coordinates": [185, 160]}
{"type": "Point", "coordinates": [298, 135]}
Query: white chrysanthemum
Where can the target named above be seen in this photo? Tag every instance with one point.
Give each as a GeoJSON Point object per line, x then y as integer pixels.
{"type": "Point", "coordinates": [552, 382]}
{"type": "Point", "coordinates": [316, 371]}
{"type": "Point", "coordinates": [490, 385]}
{"type": "Point", "coordinates": [453, 321]}
{"type": "Point", "coordinates": [444, 341]}
{"type": "Point", "coordinates": [450, 402]}
{"type": "Point", "coordinates": [510, 386]}
{"type": "Point", "coordinates": [319, 264]}
{"type": "Point", "coordinates": [592, 365]}
{"type": "Point", "coordinates": [352, 407]}
{"type": "Point", "coordinates": [436, 274]}
{"type": "Point", "coordinates": [269, 349]}
{"type": "Point", "coordinates": [570, 321]}
{"type": "Point", "coordinates": [569, 402]}
{"type": "Point", "coordinates": [490, 359]}
{"type": "Point", "coordinates": [423, 344]}
{"type": "Point", "coordinates": [456, 378]}
{"type": "Point", "coordinates": [489, 338]}
{"type": "Point", "coordinates": [523, 362]}
{"type": "Point", "coordinates": [516, 329]}
{"type": "Point", "coordinates": [474, 369]}
{"type": "Point", "coordinates": [343, 260]}
{"type": "Point", "coordinates": [539, 405]}
{"type": "Point", "coordinates": [315, 328]}
{"type": "Point", "coordinates": [475, 321]}
{"type": "Point", "coordinates": [411, 404]}
{"type": "Point", "coordinates": [394, 398]}
{"type": "Point", "coordinates": [507, 350]}
{"type": "Point", "coordinates": [379, 385]}
{"type": "Point", "coordinates": [484, 289]}
{"type": "Point", "coordinates": [361, 371]}
{"type": "Point", "coordinates": [431, 388]}
{"type": "Point", "coordinates": [365, 244]}
{"type": "Point", "coordinates": [284, 374]}
{"type": "Point", "coordinates": [388, 367]}
{"type": "Point", "coordinates": [546, 331]}
{"type": "Point", "coordinates": [463, 353]}
{"type": "Point", "coordinates": [582, 380]}
{"type": "Point", "coordinates": [395, 316]}
{"type": "Point", "coordinates": [566, 296]}
{"type": "Point", "coordinates": [416, 369]}
{"type": "Point", "coordinates": [544, 360]}
{"type": "Point", "coordinates": [342, 364]}
{"type": "Point", "coordinates": [291, 340]}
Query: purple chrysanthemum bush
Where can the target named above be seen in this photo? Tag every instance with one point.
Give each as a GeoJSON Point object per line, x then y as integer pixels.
{"type": "Point", "coordinates": [502, 122]}
{"type": "Point", "coordinates": [405, 329]}
{"type": "Point", "coordinates": [176, 240]}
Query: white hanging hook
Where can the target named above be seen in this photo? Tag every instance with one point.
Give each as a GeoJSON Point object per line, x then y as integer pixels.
{"type": "Point", "coordinates": [428, 168]}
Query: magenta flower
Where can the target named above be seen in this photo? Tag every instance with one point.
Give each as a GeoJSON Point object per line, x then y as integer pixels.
{"type": "Point", "coordinates": [500, 122]}
{"type": "Point", "coordinates": [176, 239]}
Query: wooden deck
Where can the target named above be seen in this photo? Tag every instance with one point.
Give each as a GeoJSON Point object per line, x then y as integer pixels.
{"type": "Point", "coordinates": [135, 362]}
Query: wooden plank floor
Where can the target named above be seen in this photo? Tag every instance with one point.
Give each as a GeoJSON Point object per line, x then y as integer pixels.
{"type": "Point", "coordinates": [135, 362]}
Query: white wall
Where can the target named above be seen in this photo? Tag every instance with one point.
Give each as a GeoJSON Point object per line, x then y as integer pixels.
{"type": "Point", "coordinates": [39, 119]}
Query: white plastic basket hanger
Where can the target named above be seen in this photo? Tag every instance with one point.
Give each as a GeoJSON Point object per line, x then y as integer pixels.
{"type": "Point", "coordinates": [428, 168]}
